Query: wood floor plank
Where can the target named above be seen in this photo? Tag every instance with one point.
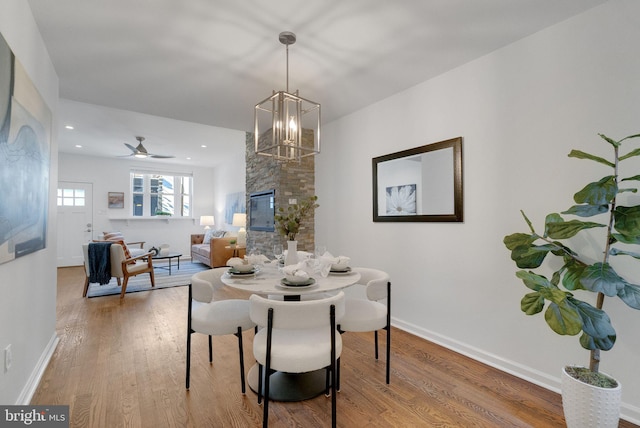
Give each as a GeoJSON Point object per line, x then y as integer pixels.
{"type": "Point", "coordinates": [121, 363]}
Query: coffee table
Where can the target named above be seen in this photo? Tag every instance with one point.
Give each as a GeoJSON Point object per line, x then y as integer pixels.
{"type": "Point", "coordinates": [167, 256]}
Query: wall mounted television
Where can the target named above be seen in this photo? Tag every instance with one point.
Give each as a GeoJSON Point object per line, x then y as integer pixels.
{"type": "Point", "coordinates": [262, 211]}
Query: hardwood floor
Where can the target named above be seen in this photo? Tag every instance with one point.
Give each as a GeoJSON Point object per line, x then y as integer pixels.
{"type": "Point", "coordinates": [122, 364]}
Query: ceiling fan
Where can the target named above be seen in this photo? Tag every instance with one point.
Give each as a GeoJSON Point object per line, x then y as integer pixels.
{"type": "Point", "coordinates": [141, 152]}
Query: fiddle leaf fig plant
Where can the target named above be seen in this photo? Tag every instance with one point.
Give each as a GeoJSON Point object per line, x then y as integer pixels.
{"type": "Point", "coordinates": [566, 313]}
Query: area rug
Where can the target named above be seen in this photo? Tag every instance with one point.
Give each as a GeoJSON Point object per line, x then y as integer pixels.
{"type": "Point", "coordinates": [178, 277]}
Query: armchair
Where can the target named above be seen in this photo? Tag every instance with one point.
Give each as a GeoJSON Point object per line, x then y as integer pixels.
{"type": "Point", "coordinates": [120, 266]}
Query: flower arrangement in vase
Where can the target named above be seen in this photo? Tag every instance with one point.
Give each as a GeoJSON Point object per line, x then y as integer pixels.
{"type": "Point", "coordinates": [288, 224]}
{"type": "Point", "coordinates": [288, 221]}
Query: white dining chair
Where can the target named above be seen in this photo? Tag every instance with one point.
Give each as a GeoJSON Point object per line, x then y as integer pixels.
{"type": "Point", "coordinates": [215, 317]}
{"type": "Point", "coordinates": [298, 337]}
{"type": "Point", "coordinates": [370, 314]}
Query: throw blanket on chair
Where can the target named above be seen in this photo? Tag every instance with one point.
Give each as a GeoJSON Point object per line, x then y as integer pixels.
{"type": "Point", "coordinates": [100, 262]}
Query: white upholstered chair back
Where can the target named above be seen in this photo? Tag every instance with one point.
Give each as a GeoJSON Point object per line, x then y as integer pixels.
{"type": "Point", "coordinates": [296, 315]}
{"type": "Point", "coordinates": [204, 283]}
{"type": "Point", "coordinates": [375, 280]}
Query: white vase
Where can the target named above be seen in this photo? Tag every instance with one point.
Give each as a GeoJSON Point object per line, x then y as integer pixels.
{"type": "Point", "coordinates": [292, 253]}
{"type": "Point", "coordinates": [587, 406]}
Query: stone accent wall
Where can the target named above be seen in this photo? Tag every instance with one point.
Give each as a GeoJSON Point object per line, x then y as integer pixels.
{"type": "Point", "coordinates": [291, 180]}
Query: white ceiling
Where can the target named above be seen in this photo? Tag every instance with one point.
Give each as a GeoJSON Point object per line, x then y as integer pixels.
{"type": "Point", "coordinates": [209, 62]}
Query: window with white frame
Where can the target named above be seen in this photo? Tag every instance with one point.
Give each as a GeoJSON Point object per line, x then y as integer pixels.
{"type": "Point", "coordinates": [71, 197]}
{"type": "Point", "coordinates": [161, 193]}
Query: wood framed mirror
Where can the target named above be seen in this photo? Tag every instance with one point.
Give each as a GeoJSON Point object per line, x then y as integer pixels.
{"type": "Point", "coordinates": [419, 184]}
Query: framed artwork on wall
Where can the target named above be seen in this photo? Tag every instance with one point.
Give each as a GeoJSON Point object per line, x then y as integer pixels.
{"type": "Point", "coordinates": [116, 200]}
{"type": "Point", "coordinates": [401, 200]}
{"type": "Point", "coordinates": [25, 135]}
{"type": "Point", "coordinates": [235, 203]}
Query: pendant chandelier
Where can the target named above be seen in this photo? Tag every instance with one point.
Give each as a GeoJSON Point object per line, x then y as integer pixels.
{"type": "Point", "coordinates": [287, 126]}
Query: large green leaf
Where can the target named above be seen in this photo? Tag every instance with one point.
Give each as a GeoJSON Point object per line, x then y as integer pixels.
{"type": "Point", "coordinates": [567, 229]}
{"type": "Point", "coordinates": [602, 278]}
{"type": "Point", "coordinates": [519, 239]}
{"type": "Point", "coordinates": [550, 219]}
{"type": "Point", "coordinates": [627, 221]}
{"type": "Point", "coordinates": [592, 343]}
{"type": "Point", "coordinates": [630, 294]}
{"type": "Point", "coordinates": [571, 279]}
{"type": "Point", "coordinates": [532, 280]}
{"type": "Point", "coordinates": [595, 322]}
{"type": "Point", "coordinates": [582, 155]}
{"type": "Point", "coordinates": [532, 303]}
{"type": "Point", "coordinates": [530, 257]}
{"type": "Point", "coordinates": [563, 318]}
{"type": "Point", "coordinates": [598, 193]}
{"type": "Point", "coordinates": [587, 210]}
{"type": "Point", "coordinates": [554, 294]}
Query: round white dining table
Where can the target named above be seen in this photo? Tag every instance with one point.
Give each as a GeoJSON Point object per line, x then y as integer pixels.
{"type": "Point", "coordinates": [268, 282]}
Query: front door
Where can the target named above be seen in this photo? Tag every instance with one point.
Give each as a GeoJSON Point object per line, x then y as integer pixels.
{"type": "Point", "coordinates": [75, 221]}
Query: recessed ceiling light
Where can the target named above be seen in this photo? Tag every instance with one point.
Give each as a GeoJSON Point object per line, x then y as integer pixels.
{"type": "Point", "coordinates": [188, 158]}
{"type": "Point", "coordinates": [79, 146]}
{"type": "Point", "coordinates": [204, 146]}
{"type": "Point", "coordinates": [68, 127]}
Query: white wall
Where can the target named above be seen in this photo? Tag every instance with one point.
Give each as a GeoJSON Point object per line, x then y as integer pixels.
{"type": "Point", "coordinates": [29, 281]}
{"type": "Point", "coordinates": [520, 111]}
{"type": "Point", "coordinates": [112, 175]}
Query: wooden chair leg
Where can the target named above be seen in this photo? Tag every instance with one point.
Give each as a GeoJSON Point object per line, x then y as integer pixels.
{"type": "Point", "coordinates": [124, 287]}
{"type": "Point", "coordinates": [153, 278]}
{"type": "Point", "coordinates": [210, 350]}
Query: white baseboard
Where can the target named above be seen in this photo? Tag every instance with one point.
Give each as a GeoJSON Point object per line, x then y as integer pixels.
{"type": "Point", "coordinates": [36, 375]}
{"type": "Point", "coordinates": [627, 412]}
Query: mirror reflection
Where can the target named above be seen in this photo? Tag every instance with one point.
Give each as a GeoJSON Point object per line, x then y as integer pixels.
{"type": "Point", "coordinates": [419, 184]}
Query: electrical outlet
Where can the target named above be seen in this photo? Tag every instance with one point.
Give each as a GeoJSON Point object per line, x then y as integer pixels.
{"type": "Point", "coordinates": [293, 201]}
{"type": "Point", "coordinates": [8, 358]}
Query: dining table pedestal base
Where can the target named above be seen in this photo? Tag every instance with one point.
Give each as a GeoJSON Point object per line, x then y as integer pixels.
{"type": "Point", "coordinates": [290, 386]}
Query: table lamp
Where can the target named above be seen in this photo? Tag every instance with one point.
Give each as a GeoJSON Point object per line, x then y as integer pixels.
{"type": "Point", "coordinates": [206, 221]}
{"type": "Point", "coordinates": [240, 219]}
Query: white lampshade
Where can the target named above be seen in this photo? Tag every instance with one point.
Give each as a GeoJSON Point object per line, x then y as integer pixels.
{"type": "Point", "coordinates": [240, 220]}
{"type": "Point", "coordinates": [206, 221]}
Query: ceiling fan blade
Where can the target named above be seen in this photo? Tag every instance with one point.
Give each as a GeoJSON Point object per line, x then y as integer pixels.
{"type": "Point", "coordinates": [161, 156]}
{"type": "Point", "coordinates": [133, 149]}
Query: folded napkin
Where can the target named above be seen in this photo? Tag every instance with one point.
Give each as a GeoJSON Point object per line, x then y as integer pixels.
{"type": "Point", "coordinates": [299, 269]}
{"type": "Point", "coordinates": [339, 260]}
{"type": "Point", "coordinates": [258, 259]}
{"type": "Point", "coordinates": [326, 261]}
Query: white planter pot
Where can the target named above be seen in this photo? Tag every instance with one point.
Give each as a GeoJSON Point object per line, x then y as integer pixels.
{"type": "Point", "coordinates": [587, 406]}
